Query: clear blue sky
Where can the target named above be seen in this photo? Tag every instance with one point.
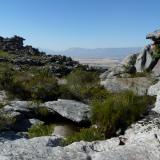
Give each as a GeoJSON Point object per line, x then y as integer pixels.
{"type": "Point", "coordinates": [61, 24]}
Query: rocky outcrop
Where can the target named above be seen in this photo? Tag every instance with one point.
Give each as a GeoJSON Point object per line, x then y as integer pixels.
{"type": "Point", "coordinates": [69, 109]}
{"type": "Point", "coordinates": [28, 56]}
{"type": "Point", "coordinates": [127, 76]}
{"type": "Point", "coordinates": [11, 44]}
{"type": "Point", "coordinates": [154, 36]}
{"type": "Point", "coordinates": [145, 60]}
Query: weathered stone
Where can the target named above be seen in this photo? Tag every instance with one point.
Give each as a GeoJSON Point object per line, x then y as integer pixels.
{"type": "Point", "coordinates": [157, 104]}
{"type": "Point", "coordinates": [115, 71]}
{"type": "Point", "coordinates": [145, 60]}
{"type": "Point", "coordinates": [129, 60]}
{"type": "Point", "coordinates": [69, 109]}
{"type": "Point", "coordinates": [138, 85]}
{"type": "Point", "coordinates": [154, 89]}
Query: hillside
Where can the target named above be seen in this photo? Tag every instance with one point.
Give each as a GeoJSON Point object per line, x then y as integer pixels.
{"type": "Point", "coordinates": [13, 52]}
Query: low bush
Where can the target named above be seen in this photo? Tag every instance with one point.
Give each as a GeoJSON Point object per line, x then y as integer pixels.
{"type": "Point", "coordinates": [41, 86]}
{"type": "Point", "coordinates": [156, 54]}
{"type": "Point", "coordinates": [83, 85]}
{"type": "Point", "coordinates": [38, 130]}
{"type": "Point", "coordinates": [118, 111]}
{"type": "Point", "coordinates": [5, 121]}
{"type": "Point", "coordinates": [85, 134]}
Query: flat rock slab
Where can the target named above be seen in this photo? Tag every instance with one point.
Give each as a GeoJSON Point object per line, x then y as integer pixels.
{"type": "Point", "coordinates": [70, 109]}
{"type": "Point", "coordinates": [138, 85]}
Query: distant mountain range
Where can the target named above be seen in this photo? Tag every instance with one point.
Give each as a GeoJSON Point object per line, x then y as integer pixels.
{"type": "Point", "coordinates": [117, 53]}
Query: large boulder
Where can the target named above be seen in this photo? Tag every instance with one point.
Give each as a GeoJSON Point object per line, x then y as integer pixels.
{"type": "Point", "coordinates": [145, 60]}
{"type": "Point", "coordinates": [138, 85]}
{"type": "Point", "coordinates": [129, 63]}
{"type": "Point", "coordinates": [69, 109]}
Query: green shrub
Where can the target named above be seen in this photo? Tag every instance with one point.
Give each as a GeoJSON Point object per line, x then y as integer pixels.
{"type": "Point", "coordinates": [156, 54]}
{"type": "Point", "coordinates": [80, 84]}
{"type": "Point", "coordinates": [65, 93]}
{"type": "Point", "coordinates": [42, 112]}
{"type": "Point", "coordinates": [27, 86]}
{"type": "Point", "coordinates": [85, 134]}
{"type": "Point", "coordinates": [118, 111]}
{"type": "Point", "coordinates": [40, 130]}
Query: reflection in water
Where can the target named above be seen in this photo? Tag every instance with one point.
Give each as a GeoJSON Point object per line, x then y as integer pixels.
{"type": "Point", "coordinates": [65, 129]}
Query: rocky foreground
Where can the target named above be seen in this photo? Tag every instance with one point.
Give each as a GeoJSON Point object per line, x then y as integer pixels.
{"type": "Point", "coordinates": [140, 141]}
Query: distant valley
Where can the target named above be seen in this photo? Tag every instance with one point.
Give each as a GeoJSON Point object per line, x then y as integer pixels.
{"type": "Point", "coordinates": [98, 57]}
{"type": "Point", "coordinates": [97, 53]}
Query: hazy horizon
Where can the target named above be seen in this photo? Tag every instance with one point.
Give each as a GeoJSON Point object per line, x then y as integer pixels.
{"type": "Point", "coordinates": [96, 53]}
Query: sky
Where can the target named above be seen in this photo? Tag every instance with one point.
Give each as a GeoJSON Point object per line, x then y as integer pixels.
{"type": "Point", "coordinates": [63, 24]}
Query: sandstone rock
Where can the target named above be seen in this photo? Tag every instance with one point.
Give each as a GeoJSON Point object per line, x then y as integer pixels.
{"type": "Point", "coordinates": [69, 109]}
{"type": "Point", "coordinates": [19, 106]}
{"type": "Point", "coordinates": [129, 60]}
{"type": "Point", "coordinates": [154, 89]}
{"type": "Point", "coordinates": [138, 85]}
{"type": "Point", "coordinates": [157, 104]}
{"type": "Point", "coordinates": [145, 60]}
